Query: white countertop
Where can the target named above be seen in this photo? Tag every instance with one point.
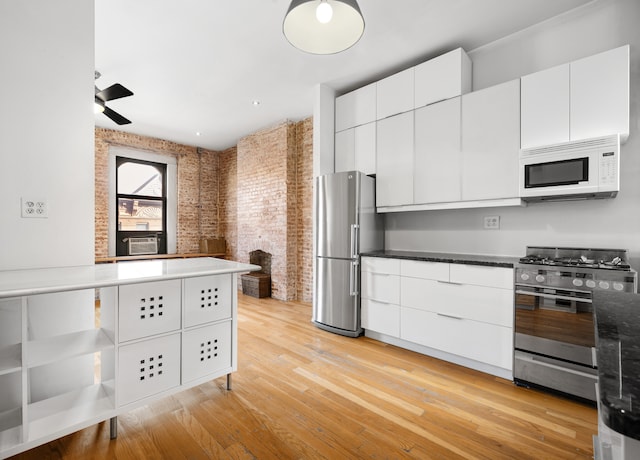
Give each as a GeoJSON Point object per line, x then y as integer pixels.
{"type": "Point", "coordinates": [15, 283]}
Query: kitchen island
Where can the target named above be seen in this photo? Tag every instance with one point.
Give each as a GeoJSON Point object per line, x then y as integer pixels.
{"type": "Point", "coordinates": [68, 361]}
{"type": "Point", "coordinates": [617, 320]}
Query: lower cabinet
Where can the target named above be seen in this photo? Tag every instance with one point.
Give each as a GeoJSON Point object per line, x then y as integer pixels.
{"type": "Point", "coordinates": [206, 350]}
{"type": "Point", "coordinates": [459, 312]}
{"type": "Point", "coordinates": [147, 368]}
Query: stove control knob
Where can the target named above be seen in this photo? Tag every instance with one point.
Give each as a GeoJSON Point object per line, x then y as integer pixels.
{"type": "Point", "coordinates": [591, 283]}
{"type": "Point", "coordinates": [577, 282]}
{"type": "Point", "coordinates": [618, 286]}
{"type": "Point", "coordinates": [524, 276]}
{"type": "Point", "coordinates": [539, 278]}
{"type": "Point", "coordinates": [604, 285]}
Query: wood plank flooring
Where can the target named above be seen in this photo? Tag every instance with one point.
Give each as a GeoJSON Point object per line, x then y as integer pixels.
{"type": "Point", "coordinates": [302, 393]}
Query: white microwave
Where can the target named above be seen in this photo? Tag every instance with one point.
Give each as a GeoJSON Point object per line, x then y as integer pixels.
{"type": "Point", "coordinates": [571, 170]}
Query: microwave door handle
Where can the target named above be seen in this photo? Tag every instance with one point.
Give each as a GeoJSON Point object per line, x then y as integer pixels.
{"type": "Point", "coordinates": [554, 296]}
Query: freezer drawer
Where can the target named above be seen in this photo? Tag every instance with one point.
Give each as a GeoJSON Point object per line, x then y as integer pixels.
{"type": "Point", "coordinates": [337, 303]}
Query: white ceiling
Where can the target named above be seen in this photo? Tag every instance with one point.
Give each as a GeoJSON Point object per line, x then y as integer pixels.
{"type": "Point", "coordinates": [197, 65]}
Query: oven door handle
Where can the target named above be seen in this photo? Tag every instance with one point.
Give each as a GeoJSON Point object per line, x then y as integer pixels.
{"type": "Point", "coordinates": [554, 296]}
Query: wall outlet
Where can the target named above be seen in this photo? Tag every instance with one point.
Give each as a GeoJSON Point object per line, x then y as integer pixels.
{"type": "Point", "coordinates": [36, 208]}
{"type": "Point", "coordinates": [492, 222]}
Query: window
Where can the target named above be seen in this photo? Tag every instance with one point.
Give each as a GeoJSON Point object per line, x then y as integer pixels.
{"type": "Point", "coordinates": [141, 202]}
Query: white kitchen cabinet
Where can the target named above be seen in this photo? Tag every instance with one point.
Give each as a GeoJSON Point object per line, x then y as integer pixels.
{"type": "Point", "coordinates": [545, 107]}
{"type": "Point", "coordinates": [579, 100]}
{"type": "Point", "coordinates": [394, 160]}
{"type": "Point", "coordinates": [459, 312]}
{"type": "Point", "coordinates": [355, 149]}
{"type": "Point", "coordinates": [491, 142]}
{"type": "Point", "coordinates": [63, 368]}
{"type": "Point", "coordinates": [443, 77]}
{"type": "Point", "coordinates": [478, 341]}
{"type": "Point", "coordinates": [380, 295]}
{"type": "Point", "coordinates": [437, 153]}
{"type": "Point", "coordinates": [356, 108]}
{"type": "Point", "coordinates": [600, 95]}
{"type": "Point", "coordinates": [395, 94]}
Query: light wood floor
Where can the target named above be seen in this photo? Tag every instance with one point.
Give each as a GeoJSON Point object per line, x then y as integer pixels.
{"type": "Point", "coordinates": [302, 393]}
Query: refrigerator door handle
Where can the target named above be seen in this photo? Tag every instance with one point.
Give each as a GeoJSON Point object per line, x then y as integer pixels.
{"type": "Point", "coordinates": [353, 278]}
{"type": "Point", "coordinates": [355, 240]}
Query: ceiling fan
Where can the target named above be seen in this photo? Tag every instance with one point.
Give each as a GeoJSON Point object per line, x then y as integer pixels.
{"type": "Point", "coordinates": [116, 91]}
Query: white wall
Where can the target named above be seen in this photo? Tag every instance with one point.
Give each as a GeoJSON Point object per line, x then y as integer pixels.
{"type": "Point", "coordinates": [613, 223]}
{"type": "Point", "coordinates": [47, 131]}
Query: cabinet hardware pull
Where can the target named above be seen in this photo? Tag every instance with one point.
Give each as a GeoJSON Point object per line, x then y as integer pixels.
{"type": "Point", "coordinates": [450, 282]}
{"type": "Point", "coordinates": [449, 316]}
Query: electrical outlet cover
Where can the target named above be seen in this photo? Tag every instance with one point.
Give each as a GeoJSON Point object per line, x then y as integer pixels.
{"type": "Point", "coordinates": [36, 208]}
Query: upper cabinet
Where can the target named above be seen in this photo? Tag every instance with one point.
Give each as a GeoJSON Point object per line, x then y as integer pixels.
{"type": "Point", "coordinates": [443, 77]}
{"type": "Point", "coordinates": [580, 100]}
{"type": "Point", "coordinates": [395, 94]}
{"type": "Point", "coordinates": [491, 142]}
{"type": "Point", "coordinates": [545, 107]}
{"type": "Point", "coordinates": [437, 153]}
{"type": "Point", "coordinates": [356, 108]}
{"type": "Point", "coordinates": [600, 95]}
{"type": "Point", "coordinates": [355, 149]}
{"type": "Point", "coordinates": [394, 158]}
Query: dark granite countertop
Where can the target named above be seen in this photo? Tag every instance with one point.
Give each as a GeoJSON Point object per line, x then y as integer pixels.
{"type": "Point", "coordinates": [617, 320]}
{"type": "Point", "coordinates": [468, 259]}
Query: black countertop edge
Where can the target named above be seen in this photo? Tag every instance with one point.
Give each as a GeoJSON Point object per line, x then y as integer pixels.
{"type": "Point", "coordinates": [617, 322]}
{"type": "Point", "coordinates": [467, 259]}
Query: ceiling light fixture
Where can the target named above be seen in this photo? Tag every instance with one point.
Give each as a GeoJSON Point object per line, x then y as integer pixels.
{"type": "Point", "coordinates": [323, 26]}
{"type": "Point", "coordinates": [98, 105]}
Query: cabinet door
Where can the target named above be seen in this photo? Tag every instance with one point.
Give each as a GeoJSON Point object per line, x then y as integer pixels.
{"type": "Point", "coordinates": [443, 77]}
{"type": "Point", "coordinates": [437, 153]}
{"type": "Point", "coordinates": [394, 161]}
{"type": "Point", "coordinates": [545, 104]}
{"type": "Point", "coordinates": [395, 94]}
{"type": "Point", "coordinates": [499, 277]}
{"type": "Point", "coordinates": [148, 367]}
{"type": "Point", "coordinates": [356, 108]}
{"type": "Point", "coordinates": [482, 342]}
{"type": "Point", "coordinates": [491, 142]}
{"type": "Point", "coordinates": [365, 148]}
{"type": "Point", "coordinates": [206, 299]}
{"type": "Point", "coordinates": [600, 95]}
{"type": "Point", "coordinates": [344, 150]}
{"type": "Point", "coordinates": [148, 308]}
{"type": "Point", "coordinates": [381, 287]}
{"type": "Point", "coordinates": [381, 317]}
{"type": "Point", "coordinates": [206, 350]}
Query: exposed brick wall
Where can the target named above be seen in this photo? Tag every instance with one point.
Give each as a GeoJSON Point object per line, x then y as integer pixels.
{"type": "Point", "coordinates": [304, 143]}
{"type": "Point", "coordinates": [228, 196]}
{"type": "Point", "coordinates": [197, 203]}
{"type": "Point", "coordinates": [257, 195]}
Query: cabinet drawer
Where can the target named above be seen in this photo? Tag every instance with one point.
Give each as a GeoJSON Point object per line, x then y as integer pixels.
{"type": "Point", "coordinates": [486, 343]}
{"type": "Point", "coordinates": [381, 317]}
{"type": "Point", "coordinates": [148, 367]}
{"type": "Point", "coordinates": [480, 303]}
{"type": "Point", "coordinates": [148, 308]}
{"type": "Point", "coordinates": [206, 299]}
{"type": "Point", "coordinates": [499, 277]}
{"type": "Point", "coordinates": [380, 265]}
{"type": "Point", "coordinates": [206, 350]}
{"type": "Point", "coordinates": [425, 270]}
{"type": "Point", "coordinates": [381, 286]}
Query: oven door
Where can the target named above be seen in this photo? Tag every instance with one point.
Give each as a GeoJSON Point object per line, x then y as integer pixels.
{"type": "Point", "coordinates": [555, 322]}
{"type": "Point", "coordinates": [558, 174]}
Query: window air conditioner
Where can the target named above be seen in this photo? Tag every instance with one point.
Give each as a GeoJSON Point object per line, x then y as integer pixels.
{"type": "Point", "coordinates": [142, 246]}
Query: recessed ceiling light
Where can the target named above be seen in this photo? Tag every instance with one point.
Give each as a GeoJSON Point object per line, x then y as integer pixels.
{"type": "Point", "coordinates": [198, 133]}
{"type": "Point", "coordinates": [256, 102]}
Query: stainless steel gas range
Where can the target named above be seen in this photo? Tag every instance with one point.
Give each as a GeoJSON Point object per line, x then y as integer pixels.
{"type": "Point", "coordinates": [554, 331]}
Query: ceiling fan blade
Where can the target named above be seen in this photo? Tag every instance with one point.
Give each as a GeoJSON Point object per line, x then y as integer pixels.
{"type": "Point", "coordinates": [113, 92]}
{"type": "Point", "coordinates": [116, 117]}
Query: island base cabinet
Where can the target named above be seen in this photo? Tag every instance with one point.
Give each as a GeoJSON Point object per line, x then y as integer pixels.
{"type": "Point", "coordinates": [206, 350]}
{"type": "Point", "coordinates": [483, 342]}
{"type": "Point", "coordinates": [148, 367]}
{"type": "Point", "coordinates": [207, 299]}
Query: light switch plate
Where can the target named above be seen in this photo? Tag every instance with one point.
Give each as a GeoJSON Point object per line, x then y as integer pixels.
{"type": "Point", "coordinates": [34, 208]}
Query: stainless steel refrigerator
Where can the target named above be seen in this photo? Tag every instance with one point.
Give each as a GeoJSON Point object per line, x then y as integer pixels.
{"type": "Point", "coordinates": [346, 225]}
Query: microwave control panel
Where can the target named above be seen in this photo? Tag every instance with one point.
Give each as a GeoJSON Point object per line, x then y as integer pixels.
{"type": "Point", "coordinates": [608, 169]}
